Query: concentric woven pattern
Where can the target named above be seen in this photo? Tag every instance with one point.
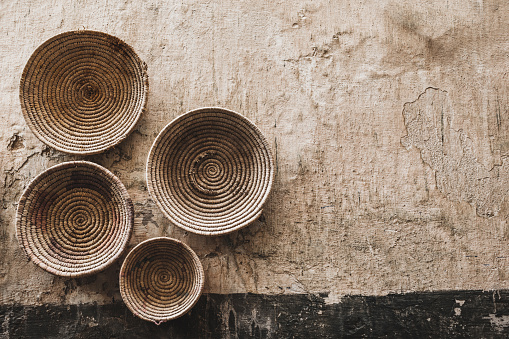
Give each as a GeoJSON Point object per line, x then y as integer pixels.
{"type": "Point", "coordinates": [210, 171]}
{"type": "Point", "coordinates": [74, 219]}
{"type": "Point", "coordinates": [161, 279]}
{"type": "Point", "coordinates": [83, 92]}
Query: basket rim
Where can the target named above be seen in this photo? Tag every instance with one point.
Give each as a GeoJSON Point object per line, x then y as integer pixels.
{"type": "Point", "coordinates": [162, 133]}
{"type": "Point", "coordinates": [129, 221]}
{"type": "Point", "coordinates": [41, 136]}
{"type": "Point", "coordinates": [197, 261]}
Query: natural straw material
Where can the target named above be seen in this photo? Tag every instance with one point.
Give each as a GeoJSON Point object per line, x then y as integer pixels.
{"type": "Point", "coordinates": [161, 279]}
{"type": "Point", "coordinates": [210, 171]}
{"type": "Point", "coordinates": [83, 92]}
{"type": "Point", "coordinates": [74, 219]}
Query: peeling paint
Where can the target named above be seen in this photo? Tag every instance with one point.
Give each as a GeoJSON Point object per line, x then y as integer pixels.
{"type": "Point", "coordinates": [499, 323]}
{"type": "Point", "coordinates": [15, 143]}
{"type": "Point", "coordinates": [451, 154]}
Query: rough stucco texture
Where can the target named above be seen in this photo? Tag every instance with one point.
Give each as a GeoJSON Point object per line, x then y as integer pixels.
{"type": "Point", "coordinates": [388, 120]}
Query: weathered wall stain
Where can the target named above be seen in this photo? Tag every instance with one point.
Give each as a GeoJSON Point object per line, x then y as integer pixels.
{"type": "Point", "coordinates": [499, 323]}
{"type": "Point", "coordinates": [451, 154]}
{"type": "Point", "coordinates": [15, 143]}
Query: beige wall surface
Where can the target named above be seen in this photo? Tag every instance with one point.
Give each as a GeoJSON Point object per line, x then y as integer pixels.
{"type": "Point", "coordinates": [388, 120]}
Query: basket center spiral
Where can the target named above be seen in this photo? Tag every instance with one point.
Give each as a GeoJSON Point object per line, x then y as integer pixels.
{"type": "Point", "coordinates": [164, 277]}
{"type": "Point", "coordinates": [88, 92]}
{"type": "Point", "coordinates": [78, 220]}
{"type": "Point", "coordinates": [209, 174]}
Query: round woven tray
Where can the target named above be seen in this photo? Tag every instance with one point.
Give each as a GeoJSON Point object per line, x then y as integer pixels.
{"type": "Point", "coordinates": [210, 171]}
{"type": "Point", "coordinates": [161, 279]}
{"type": "Point", "coordinates": [83, 92]}
{"type": "Point", "coordinates": [74, 219]}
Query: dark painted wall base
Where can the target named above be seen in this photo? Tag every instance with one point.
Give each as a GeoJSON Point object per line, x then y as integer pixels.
{"type": "Point", "coordinates": [449, 314]}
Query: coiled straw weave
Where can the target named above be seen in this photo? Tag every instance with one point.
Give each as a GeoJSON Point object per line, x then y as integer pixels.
{"type": "Point", "coordinates": [210, 171]}
{"type": "Point", "coordinates": [83, 92]}
{"type": "Point", "coordinates": [74, 219]}
{"type": "Point", "coordinates": [161, 279]}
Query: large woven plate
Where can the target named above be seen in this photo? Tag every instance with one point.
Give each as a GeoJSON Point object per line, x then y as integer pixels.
{"type": "Point", "coordinates": [161, 279]}
{"type": "Point", "coordinates": [210, 171]}
{"type": "Point", "coordinates": [83, 92]}
{"type": "Point", "coordinates": [74, 219]}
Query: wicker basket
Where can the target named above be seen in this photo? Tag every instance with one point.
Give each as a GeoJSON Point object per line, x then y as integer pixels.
{"type": "Point", "coordinates": [161, 279]}
{"type": "Point", "coordinates": [83, 92]}
{"type": "Point", "coordinates": [210, 171]}
{"type": "Point", "coordinates": [74, 219]}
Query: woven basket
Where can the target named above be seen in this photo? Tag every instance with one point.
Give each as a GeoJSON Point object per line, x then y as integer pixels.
{"type": "Point", "coordinates": [161, 279]}
{"type": "Point", "coordinates": [210, 171]}
{"type": "Point", "coordinates": [83, 92]}
{"type": "Point", "coordinates": [74, 219]}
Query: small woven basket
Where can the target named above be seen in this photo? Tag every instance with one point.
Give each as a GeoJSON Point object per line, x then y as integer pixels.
{"type": "Point", "coordinates": [83, 92]}
{"type": "Point", "coordinates": [210, 171]}
{"type": "Point", "coordinates": [161, 279]}
{"type": "Point", "coordinates": [74, 219]}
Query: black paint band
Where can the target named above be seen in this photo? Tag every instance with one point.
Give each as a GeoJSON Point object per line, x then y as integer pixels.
{"type": "Point", "coordinates": [446, 314]}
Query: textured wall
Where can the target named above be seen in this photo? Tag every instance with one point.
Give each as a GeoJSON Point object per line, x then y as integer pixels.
{"type": "Point", "coordinates": [389, 123]}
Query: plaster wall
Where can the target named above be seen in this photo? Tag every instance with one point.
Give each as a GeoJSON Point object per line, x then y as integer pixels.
{"type": "Point", "coordinates": [388, 121]}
